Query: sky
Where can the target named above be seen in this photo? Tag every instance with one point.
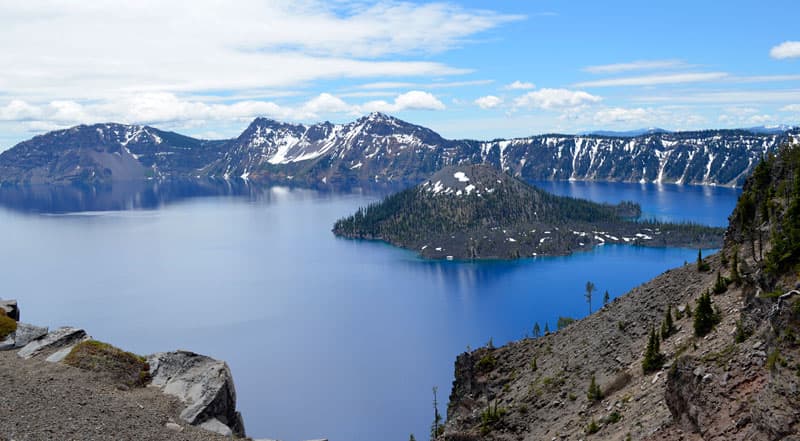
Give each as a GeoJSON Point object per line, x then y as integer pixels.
{"type": "Point", "coordinates": [466, 69]}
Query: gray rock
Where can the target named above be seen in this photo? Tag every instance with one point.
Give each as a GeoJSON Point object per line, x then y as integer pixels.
{"type": "Point", "coordinates": [55, 340]}
{"type": "Point", "coordinates": [8, 343]}
{"type": "Point", "coordinates": [59, 355]}
{"type": "Point", "coordinates": [26, 333]}
{"type": "Point", "coordinates": [204, 384]}
{"type": "Point", "coordinates": [214, 425]}
{"type": "Point", "coordinates": [11, 308]}
{"type": "Point", "coordinates": [174, 427]}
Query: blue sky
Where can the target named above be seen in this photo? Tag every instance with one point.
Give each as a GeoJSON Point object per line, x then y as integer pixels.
{"type": "Point", "coordinates": [470, 69]}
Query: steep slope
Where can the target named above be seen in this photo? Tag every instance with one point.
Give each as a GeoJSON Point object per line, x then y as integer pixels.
{"type": "Point", "coordinates": [382, 148]}
{"type": "Point", "coordinates": [477, 212]}
{"type": "Point", "coordinates": [103, 153]}
{"type": "Point", "coordinates": [728, 372]}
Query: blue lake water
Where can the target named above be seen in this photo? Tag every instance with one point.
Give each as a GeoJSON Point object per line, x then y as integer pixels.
{"type": "Point", "coordinates": [326, 337]}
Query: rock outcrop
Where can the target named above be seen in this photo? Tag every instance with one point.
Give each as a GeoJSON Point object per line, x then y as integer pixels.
{"type": "Point", "coordinates": [57, 340]}
{"type": "Point", "coordinates": [11, 308]}
{"type": "Point", "coordinates": [26, 333]}
{"type": "Point", "coordinates": [204, 384]}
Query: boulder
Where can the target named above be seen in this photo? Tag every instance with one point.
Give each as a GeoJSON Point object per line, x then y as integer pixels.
{"type": "Point", "coordinates": [204, 384]}
{"type": "Point", "coordinates": [58, 339]}
{"type": "Point", "coordinates": [216, 426]}
{"type": "Point", "coordinates": [8, 343]}
{"type": "Point", "coordinates": [11, 308]}
{"type": "Point", "coordinates": [26, 333]}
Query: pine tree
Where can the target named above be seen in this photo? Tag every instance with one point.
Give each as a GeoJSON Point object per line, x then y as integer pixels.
{"type": "Point", "coordinates": [653, 358]}
{"type": "Point", "coordinates": [546, 328]}
{"type": "Point", "coordinates": [411, 438]}
{"type": "Point", "coordinates": [589, 289]}
{"type": "Point", "coordinates": [594, 393]}
{"type": "Point", "coordinates": [705, 318]}
{"type": "Point", "coordinates": [437, 417]}
{"type": "Point", "coordinates": [537, 332]}
{"type": "Point", "coordinates": [702, 266]}
{"type": "Point", "coordinates": [721, 285]}
{"type": "Point", "coordinates": [735, 277]}
{"type": "Point", "coordinates": [606, 298]}
{"type": "Point", "coordinates": [667, 327]}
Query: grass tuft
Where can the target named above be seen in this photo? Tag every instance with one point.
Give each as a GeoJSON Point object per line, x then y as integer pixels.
{"type": "Point", "coordinates": [123, 367]}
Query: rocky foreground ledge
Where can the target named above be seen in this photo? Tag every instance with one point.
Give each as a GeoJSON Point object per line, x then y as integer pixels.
{"type": "Point", "coordinates": [113, 395]}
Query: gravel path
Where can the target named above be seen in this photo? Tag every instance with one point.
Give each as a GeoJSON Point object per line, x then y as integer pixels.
{"type": "Point", "coordinates": [46, 401]}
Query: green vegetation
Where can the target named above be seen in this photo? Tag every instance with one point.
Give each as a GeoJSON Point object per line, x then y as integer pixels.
{"type": "Point", "coordinates": [667, 327]}
{"type": "Point", "coordinates": [537, 331]}
{"type": "Point", "coordinates": [487, 363]}
{"type": "Point", "coordinates": [721, 284]}
{"type": "Point", "coordinates": [606, 298]}
{"type": "Point", "coordinates": [613, 417]}
{"type": "Point", "coordinates": [469, 226]}
{"type": "Point", "coordinates": [742, 333]}
{"type": "Point", "coordinates": [653, 358]}
{"type": "Point", "coordinates": [771, 197]}
{"type": "Point", "coordinates": [594, 394]}
{"type": "Point", "coordinates": [563, 322]}
{"type": "Point", "coordinates": [592, 427]}
{"type": "Point", "coordinates": [124, 367]}
{"type": "Point", "coordinates": [735, 277]}
{"type": "Point", "coordinates": [490, 417]}
{"type": "Point", "coordinates": [534, 366]}
{"type": "Point", "coordinates": [436, 428]}
{"type": "Point", "coordinates": [774, 359]}
{"type": "Point", "coordinates": [589, 289]}
{"type": "Point", "coordinates": [702, 265]}
{"type": "Point", "coordinates": [7, 325]}
{"type": "Point", "coordinates": [705, 318]}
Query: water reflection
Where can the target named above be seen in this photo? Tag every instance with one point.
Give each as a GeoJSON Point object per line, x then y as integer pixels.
{"type": "Point", "coordinates": [151, 195]}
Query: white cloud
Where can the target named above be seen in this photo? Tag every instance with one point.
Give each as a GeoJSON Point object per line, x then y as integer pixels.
{"type": "Point", "coordinates": [549, 99]}
{"type": "Point", "coordinates": [635, 65]}
{"type": "Point", "coordinates": [520, 85]}
{"type": "Point", "coordinates": [413, 100]}
{"type": "Point", "coordinates": [761, 119]}
{"type": "Point", "coordinates": [615, 115]}
{"type": "Point", "coordinates": [167, 108]}
{"type": "Point", "coordinates": [488, 102]}
{"type": "Point", "coordinates": [326, 103]}
{"type": "Point", "coordinates": [652, 80]}
{"type": "Point", "coordinates": [787, 49]}
{"type": "Point", "coordinates": [733, 97]}
{"type": "Point", "coordinates": [18, 110]}
{"type": "Point", "coordinates": [56, 49]}
{"type": "Point", "coordinates": [791, 108]}
{"type": "Point", "coordinates": [435, 85]}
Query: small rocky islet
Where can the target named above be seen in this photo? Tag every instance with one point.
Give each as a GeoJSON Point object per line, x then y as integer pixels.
{"type": "Point", "coordinates": [478, 212]}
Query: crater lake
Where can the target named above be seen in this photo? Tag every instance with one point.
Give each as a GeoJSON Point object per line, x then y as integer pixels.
{"type": "Point", "coordinates": [325, 337]}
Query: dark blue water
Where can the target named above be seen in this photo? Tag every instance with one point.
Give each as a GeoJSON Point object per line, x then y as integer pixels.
{"type": "Point", "coordinates": [325, 337]}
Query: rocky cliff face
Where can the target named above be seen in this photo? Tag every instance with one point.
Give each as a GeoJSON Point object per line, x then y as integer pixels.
{"type": "Point", "coordinates": [380, 148]}
{"type": "Point", "coordinates": [737, 382]}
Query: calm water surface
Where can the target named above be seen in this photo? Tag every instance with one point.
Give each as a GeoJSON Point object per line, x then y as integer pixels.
{"type": "Point", "coordinates": [325, 337]}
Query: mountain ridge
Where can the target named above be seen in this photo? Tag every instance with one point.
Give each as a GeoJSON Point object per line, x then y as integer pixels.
{"type": "Point", "coordinates": [380, 148]}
